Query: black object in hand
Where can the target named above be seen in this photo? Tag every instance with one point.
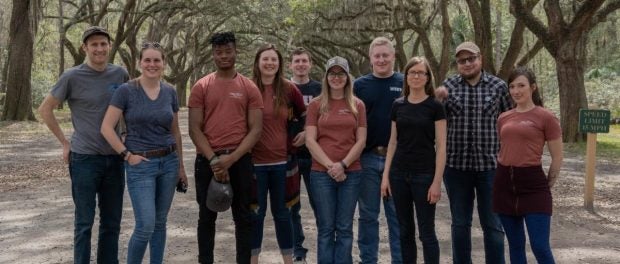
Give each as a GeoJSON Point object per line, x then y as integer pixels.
{"type": "Point", "coordinates": [181, 187]}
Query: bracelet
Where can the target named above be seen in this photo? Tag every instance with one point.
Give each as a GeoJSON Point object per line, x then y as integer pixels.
{"type": "Point", "coordinates": [214, 160]}
{"type": "Point", "coordinates": [124, 154]}
{"type": "Point", "coordinates": [344, 165]}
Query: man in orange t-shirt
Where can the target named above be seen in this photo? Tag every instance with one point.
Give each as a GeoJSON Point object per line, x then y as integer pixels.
{"type": "Point", "coordinates": [225, 121]}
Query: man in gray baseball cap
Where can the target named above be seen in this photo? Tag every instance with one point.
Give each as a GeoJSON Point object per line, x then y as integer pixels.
{"type": "Point", "coordinates": [94, 30]}
{"type": "Point", "coordinates": [96, 170]}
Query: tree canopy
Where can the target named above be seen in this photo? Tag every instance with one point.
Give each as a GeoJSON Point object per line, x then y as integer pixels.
{"type": "Point", "coordinates": [569, 43]}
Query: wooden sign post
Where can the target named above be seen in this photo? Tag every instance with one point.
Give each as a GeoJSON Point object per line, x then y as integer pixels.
{"type": "Point", "coordinates": [592, 122]}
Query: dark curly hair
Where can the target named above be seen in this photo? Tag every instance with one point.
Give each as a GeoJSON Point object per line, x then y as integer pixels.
{"type": "Point", "coordinates": [223, 38]}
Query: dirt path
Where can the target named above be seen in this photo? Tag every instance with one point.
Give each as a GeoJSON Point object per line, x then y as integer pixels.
{"type": "Point", "coordinates": [36, 211]}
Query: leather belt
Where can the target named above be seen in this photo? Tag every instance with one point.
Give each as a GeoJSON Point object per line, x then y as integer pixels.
{"type": "Point", "coordinates": [380, 150]}
{"type": "Point", "coordinates": [156, 153]}
{"type": "Point", "coordinates": [224, 151]}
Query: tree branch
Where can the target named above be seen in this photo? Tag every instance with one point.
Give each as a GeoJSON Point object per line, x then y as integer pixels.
{"type": "Point", "coordinates": [520, 12]}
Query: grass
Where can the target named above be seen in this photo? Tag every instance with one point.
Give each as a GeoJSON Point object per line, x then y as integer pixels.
{"type": "Point", "coordinates": [607, 147]}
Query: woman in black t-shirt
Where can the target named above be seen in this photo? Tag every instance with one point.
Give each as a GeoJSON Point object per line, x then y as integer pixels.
{"type": "Point", "coordinates": [415, 160]}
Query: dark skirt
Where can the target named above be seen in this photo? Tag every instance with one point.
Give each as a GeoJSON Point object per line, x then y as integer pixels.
{"type": "Point", "coordinates": [521, 190]}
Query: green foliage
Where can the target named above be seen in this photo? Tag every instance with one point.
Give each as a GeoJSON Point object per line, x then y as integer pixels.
{"type": "Point", "coordinates": [42, 83]}
{"type": "Point", "coordinates": [607, 147]}
{"type": "Point", "coordinates": [603, 93]}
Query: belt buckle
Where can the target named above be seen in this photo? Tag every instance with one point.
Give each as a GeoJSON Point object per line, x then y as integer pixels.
{"type": "Point", "coordinates": [224, 151]}
{"type": "Point", "coordinates": [380, 150]}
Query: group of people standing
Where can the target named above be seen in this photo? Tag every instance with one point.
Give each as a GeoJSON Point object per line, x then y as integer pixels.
{"type": "Point", "coordinates": [384, 136]}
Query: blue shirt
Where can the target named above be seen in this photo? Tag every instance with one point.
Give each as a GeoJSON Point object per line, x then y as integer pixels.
{"type": "Point", "coordinates": [378, 94]}
{"type": "Point", "coordinates": [309, 90]}
{"type": "Point", "coordinates": [149, 122]}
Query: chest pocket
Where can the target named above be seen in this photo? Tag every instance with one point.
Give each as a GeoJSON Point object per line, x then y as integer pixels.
{"type": "Point", "coordinates": [491, 104]}
{"type": "Point", "coordinates": [455, 105]}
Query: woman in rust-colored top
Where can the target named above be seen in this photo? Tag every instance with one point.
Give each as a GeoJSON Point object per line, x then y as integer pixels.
{"type": "Point", "coordinates": [335, 136]}
{"type": "Point", "coordinates": [270, 152]}
{"type": "Point", "coordinates": [521, 190]}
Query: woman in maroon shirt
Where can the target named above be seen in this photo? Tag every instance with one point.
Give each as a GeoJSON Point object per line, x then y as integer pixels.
{"type": "Point", "coordinates": [270, 152]}
{"type": "Point", "coordinates": [521, 190]}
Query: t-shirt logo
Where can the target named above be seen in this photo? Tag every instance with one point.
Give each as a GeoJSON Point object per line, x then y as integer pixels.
{"type": "Point", "coordinates": [307, 99]}
{"type": "Point", "coordinates": [344, 111]}
{"type": "Point", "coordinates": [526, 123]}
{"type": "Point", "coordinates": [235, 95]}
{"type": "Point", "coordinates": [396, 89]}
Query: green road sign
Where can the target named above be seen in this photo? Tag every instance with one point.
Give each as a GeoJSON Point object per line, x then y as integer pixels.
{"type": "Point", "coordinates": [594, 121]}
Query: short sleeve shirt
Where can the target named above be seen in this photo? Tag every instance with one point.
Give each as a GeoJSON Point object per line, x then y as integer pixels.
{"type": "Point", "coordinates": [226, 103]}
{"type": "Point", "coordinates": [523, 136]}
{"type": "Point", "coordinates": [415, 127]}
{"type": "Point", "coordinates": [149, 122]}
{"type": "Point", "coordinates": [378, 94]}
{"type": "Point", "coordinates": [271, 148]}
{"type": "Point", "coordinates": [336, 130]}
{"type": "Point", "coordinates": [309, 90]}
{"type": "Point", "coordinates": [88, 93]}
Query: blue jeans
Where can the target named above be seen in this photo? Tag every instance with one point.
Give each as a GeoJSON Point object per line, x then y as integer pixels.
{"type": "Point", "coordinates": [151, 186]}
{"type": "Point", "coordinates": [241, 181]}
{"type": "Point", "coordinates": [538, 229]}
{"type": "Point", "coordinates": [335, 207]}
{"type": "Point", "coordinates": [409, 191]}
{"type": "Point", "coordinates": [298, 231]}
{"type": "Point", "coordinates": [369, 207]}
{"type": "Point", "coordinates": [462, 188]}
{"type": "Point", "coordinates": [97, 178]}
{"type": "Point", "coordinates": [272, 179]}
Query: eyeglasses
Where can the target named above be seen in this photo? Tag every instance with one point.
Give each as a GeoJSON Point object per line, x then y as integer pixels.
{"type": "Point", "coordinates": [469, 59]}
{"type": "Point", "coordinates": [337, 74]}
{"type": "Point", "coordinates": [147, 45]}
{"type": "Point", "coordinates": [417, 74]}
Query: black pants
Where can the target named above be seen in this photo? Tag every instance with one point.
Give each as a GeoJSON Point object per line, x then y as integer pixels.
{"type": "Point", "coordinates": [410, 191]}
{"type": "Point", "coordinates": [240, 179]}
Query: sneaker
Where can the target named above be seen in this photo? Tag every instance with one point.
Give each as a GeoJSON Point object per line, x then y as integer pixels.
{"type": "Point", "coordinates": [299, 260]}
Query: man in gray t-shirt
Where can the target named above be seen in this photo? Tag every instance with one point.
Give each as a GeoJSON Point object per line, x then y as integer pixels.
{"type": "Point", "coordinates": [96, 170]}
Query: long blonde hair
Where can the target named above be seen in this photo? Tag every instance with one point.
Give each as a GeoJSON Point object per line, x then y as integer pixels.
{"type": "Point", "coordinates": [349, 98]}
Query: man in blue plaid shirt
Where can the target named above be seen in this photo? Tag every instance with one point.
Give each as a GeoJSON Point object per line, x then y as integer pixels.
{"type": "Point", "coordinates": [475, 100]}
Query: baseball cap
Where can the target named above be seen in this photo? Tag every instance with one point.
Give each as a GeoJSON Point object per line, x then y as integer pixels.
{"type": "Point", "coordinates": [338, 61]}
{"type": "Point", "coordinates": [219, 196]}
{"type": "Point", "coordinates": [94, 30]}
{"type": "Point", "coordinates": [467, 46]}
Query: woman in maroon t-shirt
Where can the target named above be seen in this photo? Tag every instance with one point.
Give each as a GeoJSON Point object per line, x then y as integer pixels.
{"type": "Point", "coordinates": [335, 136]}
{"type": "Point", "coordinates": [270, 152]}
{"type": "Point", "coordinates": [521, 190]}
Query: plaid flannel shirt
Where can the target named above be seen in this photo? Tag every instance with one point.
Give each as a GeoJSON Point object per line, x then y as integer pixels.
{"type": "Point", "coordinates": [472, 113]}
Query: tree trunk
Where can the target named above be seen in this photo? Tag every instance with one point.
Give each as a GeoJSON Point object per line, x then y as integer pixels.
{"type": "Point", "coordinates": [5, 72]}
{"type": "Point", "coordinates": [2, 58]}
{"type": "Point", "coordinates": [61, 50]}
{"type": "Point", "coordinates": [18, 103]}
{"type": "Point", "coordinates": [61, 32]}
{"type": "Point", "coordinates": [570, 63]}
{"type": "Point", "coordinates": [181, 85]}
